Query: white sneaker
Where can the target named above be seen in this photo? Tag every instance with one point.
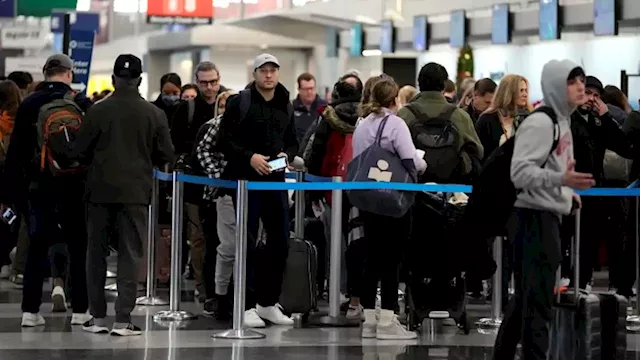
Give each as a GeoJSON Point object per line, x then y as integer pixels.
{"type": "Point", "coordinates": [93, 326]}
{"type": "Point", "coordinates": [125, 330]}
{"type": "Point", "coordinates": [369, 326]}
{"type": "Point", "coordinates": [565, 282]}
{"type": "Point", "coordinates": [32, 320]}
{"type": "Point", "coordinates": [355, 312]}
{"type": "Point", "coordinates": [59, 299]}
{"type": "Point", "coordinates": [5, 272]}
{"type": "Point", "coordinates": [252, 320]}
{"type": "Point", "coordinates": [80, 319]}
{"type": "Point", "coordinates": [389, 328]}
{"type": "Point", "coordinates": [274, 315]}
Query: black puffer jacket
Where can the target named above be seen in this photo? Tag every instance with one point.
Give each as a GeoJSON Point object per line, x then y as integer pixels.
{"type": "Point", "coordinates": [341, 116]}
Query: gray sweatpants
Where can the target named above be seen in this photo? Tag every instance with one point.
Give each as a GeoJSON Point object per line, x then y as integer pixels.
{"type": "Point", "coordinates": [129, 224]}
{"type": "Point", "coordinates": [227, 248]}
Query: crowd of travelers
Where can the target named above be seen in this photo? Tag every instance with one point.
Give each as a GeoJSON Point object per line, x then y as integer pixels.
{"type": "Point", "coordinates": [73, 158]}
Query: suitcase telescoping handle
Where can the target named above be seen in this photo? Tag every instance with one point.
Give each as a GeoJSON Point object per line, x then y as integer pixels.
{"type": "Point", "coordinates": [298, 226]}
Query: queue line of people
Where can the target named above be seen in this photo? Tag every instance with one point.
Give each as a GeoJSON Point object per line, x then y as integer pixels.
{"type": "Point", "coordinates": [221, 134]}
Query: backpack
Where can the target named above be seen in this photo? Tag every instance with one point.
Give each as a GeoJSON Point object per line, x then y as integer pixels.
{"type": "Point", "coordinates": [337, 158]}
{"type": "Point", "coordinates": [58, 124]}
{"type": "Point", "coordinates": [440, 140]}
{"type": "Point", "coordinates": [493, 194]}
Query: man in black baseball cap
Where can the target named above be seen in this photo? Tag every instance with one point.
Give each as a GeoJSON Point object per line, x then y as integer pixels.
{"type": "Point", "coordinates": [121, 140]}
{"type": "Point", "coordinates": [594, 131]}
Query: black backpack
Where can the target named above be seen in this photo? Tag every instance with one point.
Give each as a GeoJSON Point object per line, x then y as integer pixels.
{"type": "Point", "coordinates": [439, 139]}
{"type": "Point", "coordinates": [493, 195]}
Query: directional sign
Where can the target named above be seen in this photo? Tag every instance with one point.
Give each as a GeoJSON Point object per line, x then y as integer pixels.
{"type": "Point", "coordinates": [82, 21]}
{"type": "Point", "coordinates": [7, 8]}
{"type": "Point", "coordinates": [81, 51]}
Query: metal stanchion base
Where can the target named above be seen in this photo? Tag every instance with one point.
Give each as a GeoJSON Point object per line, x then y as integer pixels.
{"type": "Point", "coordinates": [178, 315]}
{"type": "Point", "coordinates": [633, 323]}
{"type": "Point", "coordinates": [111, 274]}
{"type": "Point", "coordinates": [489, 323]}
{"type": "Point", "coordinates": [151, 301]}
{"type": "Point", "coordinates": [242, 334]}
{"type": "Point", "coordinates": [337, 321]}
{"type": "Point", "coordinates": [112, 287]}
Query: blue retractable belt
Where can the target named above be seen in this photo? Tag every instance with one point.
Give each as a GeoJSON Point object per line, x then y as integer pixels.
{"type": "Point", "coordinates": [324, 184]}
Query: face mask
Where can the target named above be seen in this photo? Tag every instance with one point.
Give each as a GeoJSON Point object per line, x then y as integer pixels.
{"type": "Point", "coordinates": [170, 99]}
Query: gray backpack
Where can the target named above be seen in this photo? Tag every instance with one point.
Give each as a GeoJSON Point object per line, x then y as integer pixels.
{"type": "Point", "coordinates": [380, 165]}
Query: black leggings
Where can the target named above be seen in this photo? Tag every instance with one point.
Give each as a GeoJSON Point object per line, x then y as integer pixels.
{"type": "Point", "coordinates": [385, 239]}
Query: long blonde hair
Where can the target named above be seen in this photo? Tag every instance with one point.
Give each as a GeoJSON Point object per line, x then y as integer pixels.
{"type": "Point", "coordinates": [505, 100]}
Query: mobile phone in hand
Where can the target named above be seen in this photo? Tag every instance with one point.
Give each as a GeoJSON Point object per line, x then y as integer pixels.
{"type": "Point", "coordinates": [278, 164]}
{"type": "Point", "coordinates": [9, 216]}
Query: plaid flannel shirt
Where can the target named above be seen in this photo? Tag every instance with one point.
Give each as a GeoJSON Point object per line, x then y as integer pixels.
{"type": "Point", "coordinates": [211, 160]}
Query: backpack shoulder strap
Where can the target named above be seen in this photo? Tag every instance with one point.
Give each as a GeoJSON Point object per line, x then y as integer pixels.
{"type": "Point", "coordinates": [245, 103]}
{"type": "Point", "coordinates": [547, 110]}
{"type": "Point", "coordinates": [191, 110]}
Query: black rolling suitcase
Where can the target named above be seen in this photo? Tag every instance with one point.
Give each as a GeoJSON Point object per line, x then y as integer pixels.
{"type": "Point", "coordinates": [300, 286]}
{"type": "Point", "coordinates": [588, 325]}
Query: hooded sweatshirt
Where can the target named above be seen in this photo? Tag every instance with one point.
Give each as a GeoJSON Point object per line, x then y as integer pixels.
{"type": "Point", "coordinates": [533, 169]}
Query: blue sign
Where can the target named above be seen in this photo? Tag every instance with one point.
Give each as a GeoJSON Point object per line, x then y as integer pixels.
{"type": "Point", "coordinates": [500, 30]}
{"type": "Point", "coordinates": [457, 29]}
{"type": "Point", "coordinates": [548, 18]}
{"type": "Point", "coordinates": [81, 50]}
{"type": "Point", "coordinates": [7, 8]}
{"type": "Point", "coordinates": [420, 33]}
{"type": "Point", "coordinates": [387, 37]}
{"type": "Point", "coordinates": [80, 21]}
{"type": "Point", "coordinates": [357, 40]}
{"type": "Point", "coordinates": [333, 42]}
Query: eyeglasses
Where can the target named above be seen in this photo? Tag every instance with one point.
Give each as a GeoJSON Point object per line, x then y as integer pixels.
{"type": "Point", "coordinates": [205, 83]}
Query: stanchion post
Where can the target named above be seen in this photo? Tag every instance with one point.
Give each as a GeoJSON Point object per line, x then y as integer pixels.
{"type": "Point", "coordinates": [333, 318]}
{"type": "Point", "coordinates": [496, 294]}
{"type": "Point", "coordinates": [174, 313]}
{"type": "Point", "coordinates": [633, 321]}
{"type": "Point", "coordinates": [150, 298]}
{"type": "Point", "coordinates": [240, 270]}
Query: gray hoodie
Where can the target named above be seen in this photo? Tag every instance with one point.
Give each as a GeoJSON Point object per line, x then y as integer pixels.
{"type": "Point", "coordinates": [542, 186]}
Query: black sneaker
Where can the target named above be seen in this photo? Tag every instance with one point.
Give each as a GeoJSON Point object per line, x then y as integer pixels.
{"type": "Point", "coordinates": [209, 307]}
{"type": "Point", "coordinates": [90, 326]}
{"type": "Point", "coordinates": [125, 330]}
{"type": "Point", "coordinates": [224, 311]}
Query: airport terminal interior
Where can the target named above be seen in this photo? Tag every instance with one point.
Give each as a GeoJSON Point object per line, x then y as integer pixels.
{"type": "Point", "coordinates": [327, 40]}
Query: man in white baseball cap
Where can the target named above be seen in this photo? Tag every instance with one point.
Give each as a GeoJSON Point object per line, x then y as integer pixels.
{"type": "Point", "coordinates": [259, 127]}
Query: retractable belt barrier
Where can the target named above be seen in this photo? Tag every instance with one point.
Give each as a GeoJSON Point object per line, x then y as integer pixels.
{"type": "Point", "coordinates": [317, 183]}
{"type": "Point", "coordinates": [313, 182]}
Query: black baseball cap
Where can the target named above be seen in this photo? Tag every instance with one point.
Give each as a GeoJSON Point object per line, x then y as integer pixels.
{"type": "Point", "coordinates": [594, 83]}
{"type": "Point", "coordinates": [127, 66]}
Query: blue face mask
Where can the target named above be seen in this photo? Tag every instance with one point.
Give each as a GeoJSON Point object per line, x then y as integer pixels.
{"type": "Point", "coordinates": [170, 99]}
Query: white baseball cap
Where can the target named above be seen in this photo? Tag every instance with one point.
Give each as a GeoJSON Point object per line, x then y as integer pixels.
{"type": "Point", "coordinates": [264, 59]}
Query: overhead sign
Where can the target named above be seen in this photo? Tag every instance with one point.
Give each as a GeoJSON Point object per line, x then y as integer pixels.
{"type": "Point", "coordinates": [23, 38]}
{"type": "Point", "coordinates": [32, 65]}
{"type": "Point", "coordinates": [81, 21]}
{"type": "Point", "coordinates": [81, 50]}
{"type": "Point", "coordinates": [43, 8]}
{"type": "Point", "coordinates": [180, 11]}
{"type": "Point", "coordinates": [7, 8]}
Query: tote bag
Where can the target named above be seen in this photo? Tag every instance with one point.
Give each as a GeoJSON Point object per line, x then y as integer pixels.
{"type": "Point", "coordinates": [381, 165]}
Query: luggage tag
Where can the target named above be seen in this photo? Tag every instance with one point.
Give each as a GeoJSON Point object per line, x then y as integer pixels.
{"type": "Point", "coordinates": [318, 208]}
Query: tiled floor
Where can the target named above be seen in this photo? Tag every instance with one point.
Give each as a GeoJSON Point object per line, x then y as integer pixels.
{"type": "Point", "coordinates": [193, 340]}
